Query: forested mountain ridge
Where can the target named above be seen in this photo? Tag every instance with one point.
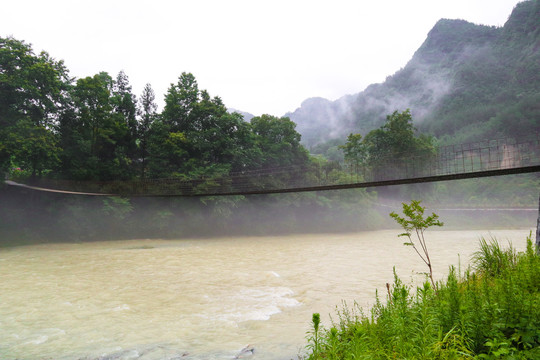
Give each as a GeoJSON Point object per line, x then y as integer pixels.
{"type": "Point", "coordinates": [465, 81]}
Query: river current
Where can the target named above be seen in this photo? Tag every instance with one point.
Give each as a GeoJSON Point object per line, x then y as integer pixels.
{"type": "Point", "coordinates": [202, 298]}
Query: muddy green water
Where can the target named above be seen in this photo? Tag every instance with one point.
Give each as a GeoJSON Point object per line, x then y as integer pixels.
{"type": "Point", "coordinates": [200, 299]}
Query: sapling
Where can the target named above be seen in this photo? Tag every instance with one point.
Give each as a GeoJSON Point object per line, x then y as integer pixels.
{"type": "Point", "coordinates": [414, 221]}
{"type": "Point", "coordinates": [315, 338]}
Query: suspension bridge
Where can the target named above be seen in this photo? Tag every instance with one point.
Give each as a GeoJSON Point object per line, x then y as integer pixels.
{"type": "Point", "coordinates": [464, 161]}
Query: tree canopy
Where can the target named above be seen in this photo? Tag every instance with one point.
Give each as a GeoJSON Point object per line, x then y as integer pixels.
{"type": "Point", "coordinates": [95, 128]}
{"type": "Point", "coordinates": [393, 143]}
{"type": "Point", "coordinates": [33, 95]}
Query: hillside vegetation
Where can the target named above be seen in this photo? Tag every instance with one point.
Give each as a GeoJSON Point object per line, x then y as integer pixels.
{"type": "Point", "coordinates": [465, 83]}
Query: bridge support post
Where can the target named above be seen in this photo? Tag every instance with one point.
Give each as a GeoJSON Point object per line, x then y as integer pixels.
{"type": "Point", "coordinates": [538, 228]}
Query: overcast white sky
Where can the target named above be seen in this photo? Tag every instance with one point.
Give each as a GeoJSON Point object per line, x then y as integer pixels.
{"type": "Point", "coordinates": [258, 56]}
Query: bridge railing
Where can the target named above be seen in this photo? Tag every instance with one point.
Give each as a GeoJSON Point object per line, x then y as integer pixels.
{"type": "Point", "coordinates": [482, 156]}
{"type": "Point", "coordinates": [469, 158]}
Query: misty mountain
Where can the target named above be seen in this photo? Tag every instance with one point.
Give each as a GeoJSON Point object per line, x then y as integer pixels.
{"type": "Point", "coordinates": [319, 119]}
{"type": "Point", "coordinates": [465, 81]}
{"type": "Point", "coordinates": [247, 116]}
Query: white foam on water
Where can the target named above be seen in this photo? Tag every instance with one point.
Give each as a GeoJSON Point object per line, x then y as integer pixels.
{"type": "Point", "coordinates": [116, 348]}
{"type": "Point", "coordinates": [122, 307]}
{"type": "Point", "coordinates": [130, 354]}
{"type": "Point", "coordinates": [57, 332]}
{"type": "Point", "coordinates": [256, 304]}
{"type": "Point", "coordinates": [39, 340]}
{"type": "Point", "coordinates": [42, 337]}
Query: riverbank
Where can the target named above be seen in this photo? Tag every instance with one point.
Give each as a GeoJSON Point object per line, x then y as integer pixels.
{"type": "Point", "coordinates": [490, 313]}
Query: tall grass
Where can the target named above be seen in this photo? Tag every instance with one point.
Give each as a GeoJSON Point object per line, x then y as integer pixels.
{"type": "Point", "coordinates": [491, 312]}
{"type": "Point", "coordinates": [492, 259]}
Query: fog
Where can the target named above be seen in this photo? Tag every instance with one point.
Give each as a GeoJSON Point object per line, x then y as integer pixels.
{"type": "Point", "coordinates": [418, 87]}
{"type": "Point", "coordinates": [422, 85]}
{"type": "Point", "coordinates": [210, 275]}
{"type": "Point", "coordinates": [30, 216]}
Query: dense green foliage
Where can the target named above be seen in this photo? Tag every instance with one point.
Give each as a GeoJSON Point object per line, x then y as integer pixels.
{"type": "Point", "coordinates": [95, 128]}
{"type": "Point", "coordinates": [33, 92]}
{"type": "Point", "coordinates": [54, 127]}
{"type": "Point", "coordinates": [490, 313]}
{"type": "Point", "coordinates": [496, 86]}
{"type": "Point", "coordinates": [392, 145]}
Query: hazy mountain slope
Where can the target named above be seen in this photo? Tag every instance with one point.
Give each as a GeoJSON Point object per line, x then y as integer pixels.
{"type": "Point", "coordinates": [320, 119]}
{"type": "Point", "coordinates": [496, 88]}
{"type": "Point", "coordinates": [247, 116]}
{"type": "Point", "coordinates": [465, 81]}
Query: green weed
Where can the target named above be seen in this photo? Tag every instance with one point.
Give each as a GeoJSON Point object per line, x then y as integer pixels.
{"type": "Point", "coordinates": [490, 313]}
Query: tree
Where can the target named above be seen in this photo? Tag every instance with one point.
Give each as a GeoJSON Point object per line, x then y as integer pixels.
{"type": "Point", "coordinates": [202, 137]}
{"type": "Point", "coordinates": [125, 104]}
{"type": "Point", "coordinates": [31, 86]}
{"type": "Point", "coordinates": [94, 134]}
{"type": "Point", "coordinates": [33, 93]}
{"type": "Point", "coordinates": [395, 139]}
{"type": "Point", "coordinates": [354, 150]}
{"type": "Point", "coordinates": [395, 147]}
{"type": "Point", "coordinates": [278, 141]}
{"type": "Point", "coordinates": [239, 143]}
{"type": "Point", "coordinates": [167, 153]}
{"type": "Point", "coordinates": [414, 221]}
{"type": "Point", "coordinates": [180, 101]}
{"type": "Point", "coordinates": [34, 147]}
{"type": "Point", "coordinates": [148, 115]}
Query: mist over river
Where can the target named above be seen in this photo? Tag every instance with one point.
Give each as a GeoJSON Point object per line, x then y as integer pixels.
{"type": "Point", "coordinates": [201, 298]}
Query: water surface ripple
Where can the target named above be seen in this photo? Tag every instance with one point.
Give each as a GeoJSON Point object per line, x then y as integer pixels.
{"type": "Point", "coordinates": [199, 299]}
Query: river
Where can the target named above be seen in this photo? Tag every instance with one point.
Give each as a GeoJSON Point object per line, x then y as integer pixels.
{"type": "Point", "coordinates": [201, 298]}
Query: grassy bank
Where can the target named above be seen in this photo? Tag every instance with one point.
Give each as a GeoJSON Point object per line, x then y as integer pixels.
{"type": "Point", "coordinates": [491, 311]}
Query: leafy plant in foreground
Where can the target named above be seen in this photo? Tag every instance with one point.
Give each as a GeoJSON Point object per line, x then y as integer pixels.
{"type": "Point", "coordinates": [478, 315]}
{"type": "Point", "coordinates": [492, 259]}
{"type": "Point", "coordinates": [314, 338]}
{"type": "Point", "coordinates": [414, 221]}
